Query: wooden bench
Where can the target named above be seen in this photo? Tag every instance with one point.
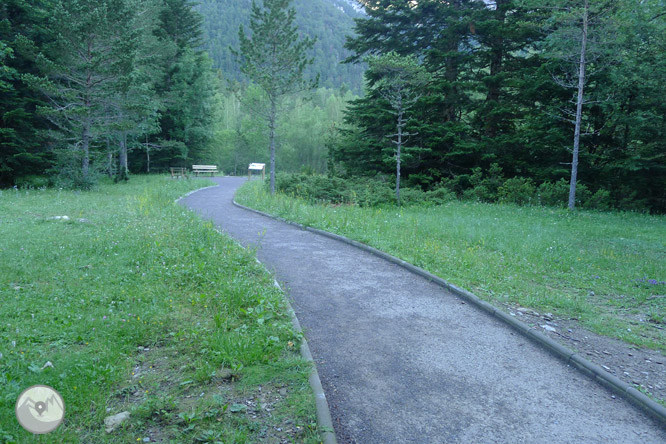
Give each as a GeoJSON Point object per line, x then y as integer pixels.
{"type": "Point", "coordinates": [212, 169]}
{"type": "Point", "coordinates": [178, 172]}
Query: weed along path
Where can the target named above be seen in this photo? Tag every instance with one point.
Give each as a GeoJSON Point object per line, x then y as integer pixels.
{"type": "Point", "coordinates": [404, 361]}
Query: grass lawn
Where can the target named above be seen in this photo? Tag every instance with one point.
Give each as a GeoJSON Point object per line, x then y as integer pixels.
{"type": "Point", "coordinates": [607, 270]}
{"type": "Point", "coordinates": [140, 306]}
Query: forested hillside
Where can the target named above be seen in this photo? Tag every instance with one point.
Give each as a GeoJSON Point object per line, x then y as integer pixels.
{"type": "Point", "coordinates": [330, 21]}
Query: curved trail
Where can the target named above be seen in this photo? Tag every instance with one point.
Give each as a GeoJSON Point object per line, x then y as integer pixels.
{"type": "Point", "coordinates": [404, 361]}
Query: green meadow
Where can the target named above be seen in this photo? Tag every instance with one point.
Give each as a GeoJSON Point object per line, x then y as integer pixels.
{"type": "Point", "coordinates": [606, 270]}
{"type": "Point", "coordinates": [132, 303]}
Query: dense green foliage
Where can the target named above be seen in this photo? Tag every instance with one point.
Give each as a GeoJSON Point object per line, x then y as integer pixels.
{"type": "Point", "coordinates": [501, 95]}
{"type": "Point", "coordinates": [142, 320]}
{"type": "Point", "coordinates": [21, 130]}
{"type": "Point", "coordinates": [318, 19]}
{"type": "Point", "coordinates": [495, 188]}
{"type": "Point", "coordinates": [307, 125]}
{"type": "Point", "coordinates": [92, 86]}
{"type": "Point", "coordinates": [604, 269]}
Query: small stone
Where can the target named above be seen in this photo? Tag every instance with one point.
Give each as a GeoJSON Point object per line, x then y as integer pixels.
{"type": "Point", "coordinates": [549, 328]}
{"type": "Point", "coordinates": [146, 439]}
{"type": "Point", "coordinates": [283, 391]}
{"type": "Point", "coordinates": [224, 373]}
{"type": "Point", "coordinates": [112, 422]}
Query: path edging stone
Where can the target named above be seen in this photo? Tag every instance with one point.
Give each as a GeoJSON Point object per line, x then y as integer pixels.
{"type": "Point", "coordinates": [324, 420]}
{"type": "Point", "coordinates": [567, 355]}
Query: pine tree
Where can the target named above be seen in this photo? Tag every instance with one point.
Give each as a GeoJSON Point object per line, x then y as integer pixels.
{"type": "Point", "coordinates": [186, 85]}
{"type": "Point", "coordinates": [86, 61]}
{"type": "Point", "coordinates": [274, 58]}
{"type": "Point", "coordinates": [22, 129]}
{"type": "Point", "coordinates": [399, 80]}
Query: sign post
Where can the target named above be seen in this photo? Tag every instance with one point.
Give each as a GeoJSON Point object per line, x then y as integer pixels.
{"type": "Point", "coordinates": [256, 167]}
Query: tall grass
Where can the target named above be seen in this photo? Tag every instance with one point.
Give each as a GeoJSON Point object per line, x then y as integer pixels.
{"type": "Point", "coordinates": [137, 305]}
{"type": "Point", "coordinates": [608, 270]}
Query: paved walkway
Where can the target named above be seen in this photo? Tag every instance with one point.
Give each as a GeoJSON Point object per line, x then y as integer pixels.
{"type": "Point", "coordinates": [404, 361]}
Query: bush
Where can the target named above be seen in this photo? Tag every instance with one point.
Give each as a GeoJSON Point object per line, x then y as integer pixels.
{"type": "Point", "coordinates": [482, 187]}
{"type": "Point", "coordinates": [372, 193]}
{"type": "Point", "coordinates": [517, 190]}
{"type": "Point", "coordinates": [440, 196]}
{"type": "Point", "coordinates": [364, 192]}
{"type": "Point", "coordinates": [479, 193]}
{"type": "Point", "coordinates": [557, 194]}
{"type": "Point", "coordinates": [601, 200]}
{"type": "Point", "coordinates": [32, 181]}
{"type": "Point", "coordinates": [412, 196]}
{"type": "Point", "coordinates": [553, 194]}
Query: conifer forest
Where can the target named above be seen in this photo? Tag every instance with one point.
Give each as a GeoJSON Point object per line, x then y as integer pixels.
{"type": "Point", "coordinates": [555, 102]}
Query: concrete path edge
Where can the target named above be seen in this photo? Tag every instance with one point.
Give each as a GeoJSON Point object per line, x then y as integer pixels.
{"type": "Point", "coordinates": [570, 357]}
{"type": "Point", "coordinates": [324, 420]}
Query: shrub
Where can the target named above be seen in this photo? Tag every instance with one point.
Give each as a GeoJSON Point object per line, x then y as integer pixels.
{"type": "Point", "coordinates": [372, 193]}
{"type": "Point", "coordinates": [479, 193]}
{"type": "Point", "coordinates": [553, 194]}
{"type": "Point", "coordinates": [440, 196]}
{"type": "Point", "coordinates": [412, 196]}
{"type": "Point", "coordinates": [517, 190]}
{"type": "Point", "coordinates": [557, 194]}
{"type": "Point", "coordinates": [484, 187]}
{"type": "Point", "coordinates": [32, 181]}
{"type": "Point", "coordinates": [601, 200]}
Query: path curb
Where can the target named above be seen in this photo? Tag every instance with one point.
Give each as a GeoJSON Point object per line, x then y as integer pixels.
{"type": "Point", "coordinates": [570, 357]}
{"type": "Point", "coordinates": [324, 420]}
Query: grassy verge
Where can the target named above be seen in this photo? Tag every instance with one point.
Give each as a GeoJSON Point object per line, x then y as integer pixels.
{"type": "Point", "coordinates": [140, 306]}
{"type": "Point", "coordinates": [607, 270]}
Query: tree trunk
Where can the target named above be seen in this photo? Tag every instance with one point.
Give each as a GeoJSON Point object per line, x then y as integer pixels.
{"type": "Point", "coordinates": [123, 170]}
{"type": "Point", "coordinates": [85, 163]}
{"type": "Point", "coordinates": [496, 63]}
{"type": "Point", "coordinates": [110, 158]}
{"type": "Point", "coordinates": [579, 112]}
{"type": "Point", "coordinates": [147, 159]}
{"type": "Point", "coordinates": [272, 122]}
{"type": "Point", "coordinates": [397, 157]}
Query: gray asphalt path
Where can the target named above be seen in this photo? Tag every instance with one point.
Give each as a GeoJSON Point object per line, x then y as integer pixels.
{"type": "Point", "coordinates": [404, 361]}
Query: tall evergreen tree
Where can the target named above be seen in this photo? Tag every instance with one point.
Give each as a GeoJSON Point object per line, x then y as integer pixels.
{"type": "Point", "coordinates": [274, 58]}
{"type": "Point", "coordinates": [22, 130]}
{"type": "Point", "coordinates": [85, 62]}
{"type": "Point", "coordinates": [186, 85]}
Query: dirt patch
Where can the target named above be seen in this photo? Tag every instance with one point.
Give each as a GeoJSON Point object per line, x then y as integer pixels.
{"type": "Point", "coordinates": [643, 368]}
{"type": "Point", "coordinates": [167, 405]}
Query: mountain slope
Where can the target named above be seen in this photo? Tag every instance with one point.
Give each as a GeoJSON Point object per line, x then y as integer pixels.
{"type": "Point", "coordinates": [330, 21]}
